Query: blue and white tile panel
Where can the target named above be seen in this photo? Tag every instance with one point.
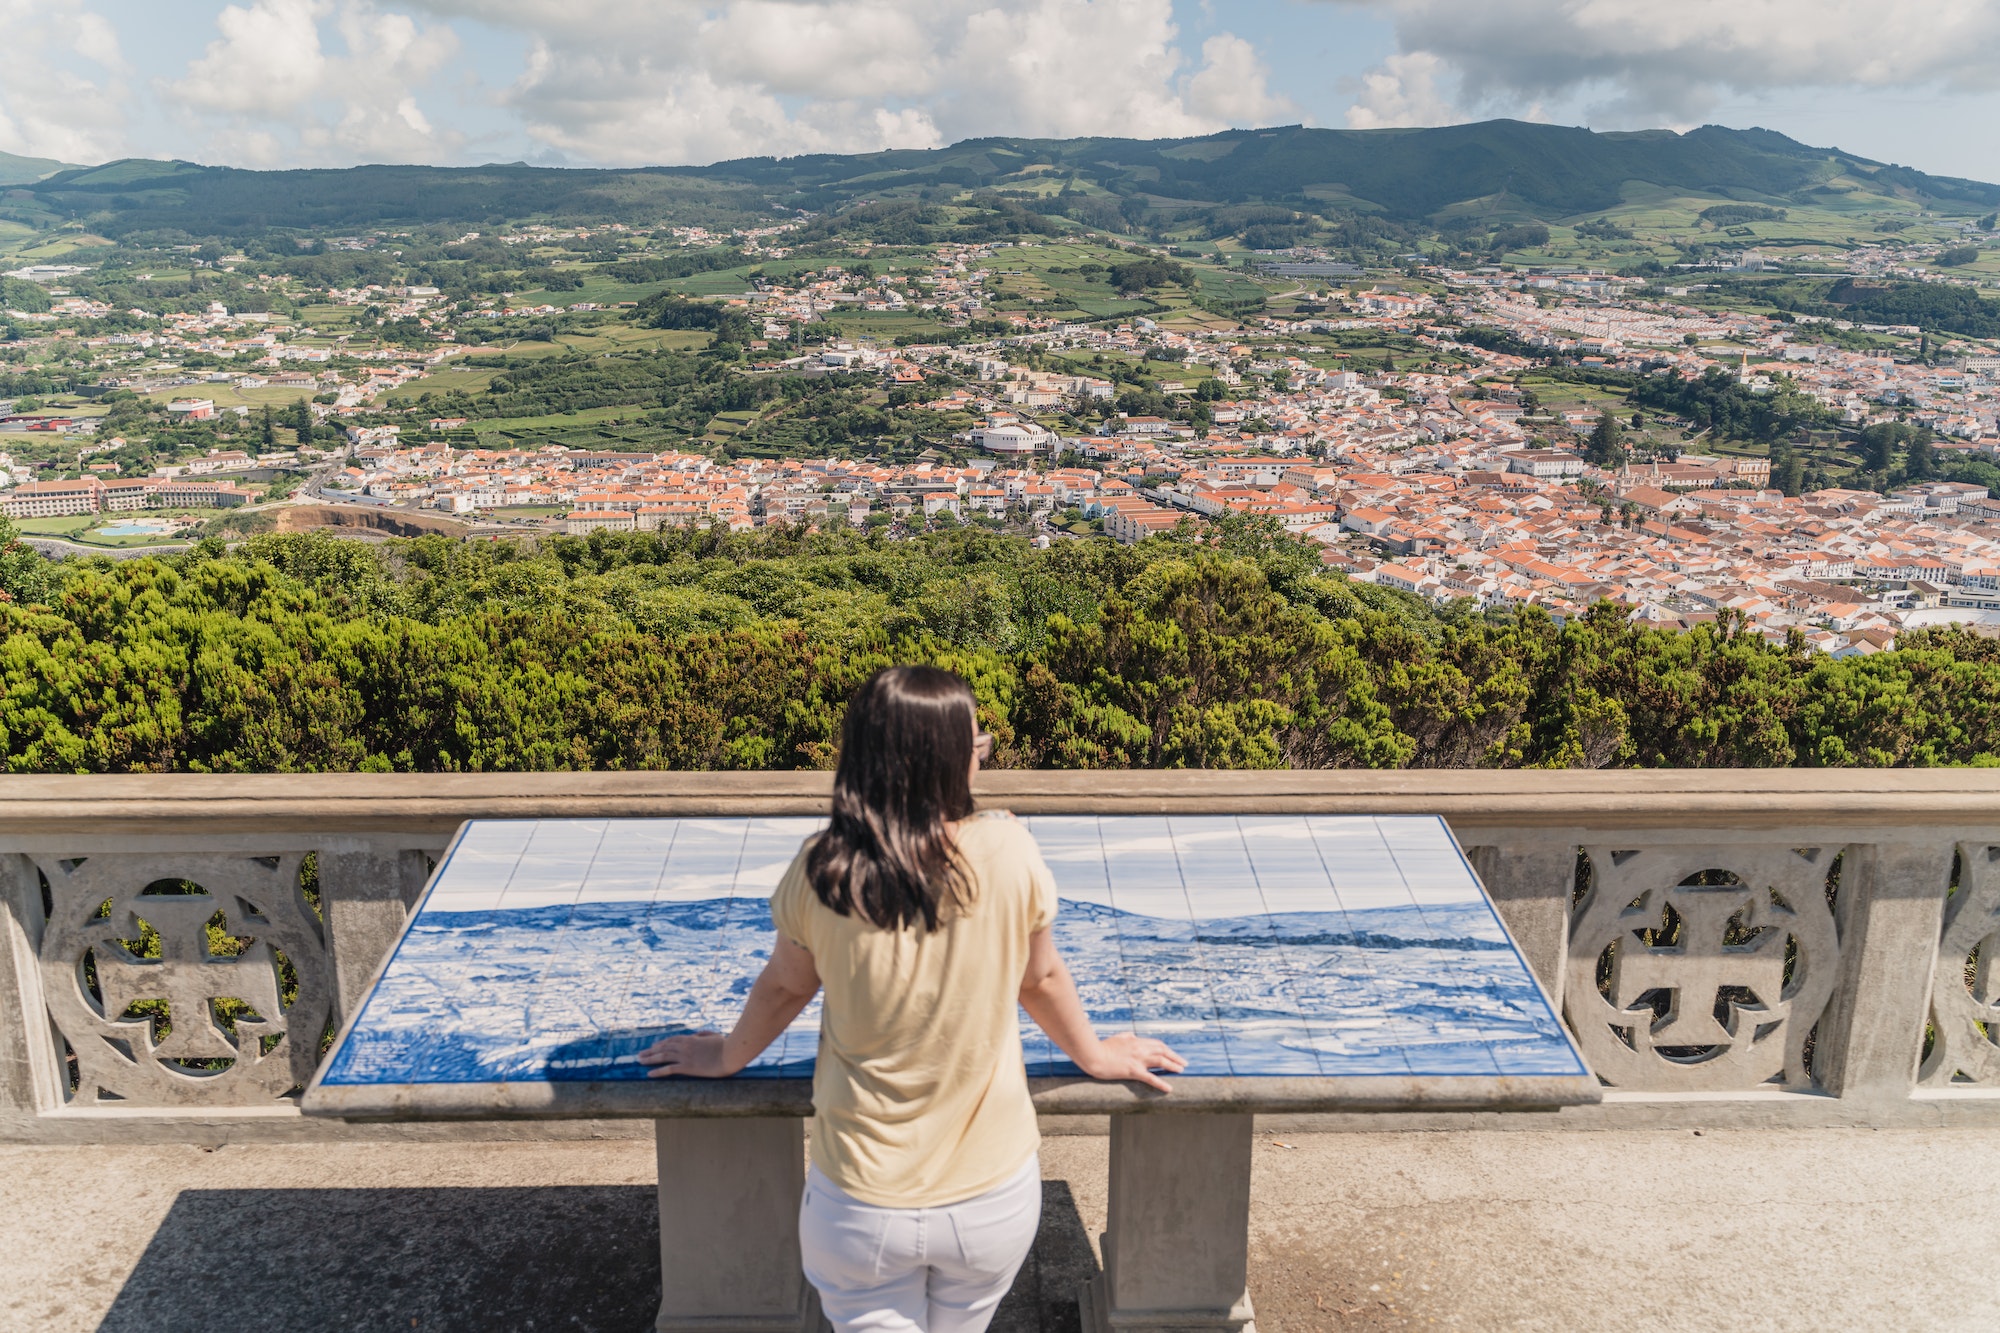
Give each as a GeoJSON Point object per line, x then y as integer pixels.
{"type": "Point", "coordinates": [1255, 945]}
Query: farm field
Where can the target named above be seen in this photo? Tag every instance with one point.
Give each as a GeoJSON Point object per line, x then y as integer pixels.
{"type": "Point", "coordinates": [588, 417]}
{"type": "Point", "coordinates": [226, 396]}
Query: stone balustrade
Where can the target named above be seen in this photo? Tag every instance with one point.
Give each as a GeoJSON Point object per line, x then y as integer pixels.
{"type": "Point", "coordinates": [1663, 910]}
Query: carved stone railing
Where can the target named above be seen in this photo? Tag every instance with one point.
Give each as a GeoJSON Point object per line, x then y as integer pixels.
{"type": "Point", "coordinates": [1767, 947]}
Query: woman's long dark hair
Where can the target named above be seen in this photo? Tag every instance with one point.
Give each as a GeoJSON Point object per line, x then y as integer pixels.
{"type": "Point", "coordinates": [905, 774]}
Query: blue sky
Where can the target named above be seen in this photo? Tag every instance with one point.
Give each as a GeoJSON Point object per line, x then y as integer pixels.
{"type": "Point", "coordinates": [333, 82]}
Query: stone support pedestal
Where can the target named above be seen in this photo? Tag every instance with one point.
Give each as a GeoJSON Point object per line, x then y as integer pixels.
{"type": "Point", "coordinates": [1177, 1248]}
{"type": "Point", "coordinates": [729, 1226]}
{"type": "Point", "coordinates": [365, 897]}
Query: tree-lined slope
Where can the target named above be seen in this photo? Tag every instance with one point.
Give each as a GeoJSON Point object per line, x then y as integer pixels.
{"type": "Point", "coordinates": [1533, 170]}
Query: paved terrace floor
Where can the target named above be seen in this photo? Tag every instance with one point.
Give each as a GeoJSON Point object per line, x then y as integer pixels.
{"type": "Point", "coordinates": [1654, 1230]}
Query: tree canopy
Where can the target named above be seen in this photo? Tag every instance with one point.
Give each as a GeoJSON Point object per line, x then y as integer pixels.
{"type": "Point", "coordinates": [709, 650]}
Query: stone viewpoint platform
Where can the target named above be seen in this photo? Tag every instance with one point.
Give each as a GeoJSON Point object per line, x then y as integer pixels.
{"type": "Point", "coordinates": [1655, 1230]}
{"type": "Point", "coordinates": [1784, 979]}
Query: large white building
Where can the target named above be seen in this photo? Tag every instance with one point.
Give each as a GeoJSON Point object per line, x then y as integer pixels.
{"type": "Point", "coordinates": [1014, 438]}
{"type": "Point", "coordinates": [52, 499]}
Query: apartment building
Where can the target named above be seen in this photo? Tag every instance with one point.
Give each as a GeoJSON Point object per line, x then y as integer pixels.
{"type": "Point", "coordinates": [53, 499]}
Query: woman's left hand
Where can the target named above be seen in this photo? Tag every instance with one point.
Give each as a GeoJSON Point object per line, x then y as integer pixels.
{"type": "Point", "coordinates": [695, 1055]}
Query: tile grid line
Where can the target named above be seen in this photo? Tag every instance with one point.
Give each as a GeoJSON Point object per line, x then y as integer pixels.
{"type": "Point", "coordinates": [536, 996]}
{"type": "Point", "coordinates": [1319, 850]}
{"type": "Point", "coordinates": [1201, 953]}
{"type": "Point", "coordinates": [1291, 964]}
{"type": "Point", "coordinates": [1457, 966]}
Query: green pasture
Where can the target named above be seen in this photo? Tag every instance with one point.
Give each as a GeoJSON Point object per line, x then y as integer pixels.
{"type": "Point", "coordinates": [69, 525]}
{"type": "Point", "coordinates": [462, 378]}
{"type": "Point", "coordinates": [226, 396]}
{"type": "Point", "coordinates": [558, 421]}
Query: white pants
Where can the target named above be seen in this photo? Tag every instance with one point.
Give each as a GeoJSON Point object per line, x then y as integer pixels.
{"type": "Point", "coordinates": [917, 1270]}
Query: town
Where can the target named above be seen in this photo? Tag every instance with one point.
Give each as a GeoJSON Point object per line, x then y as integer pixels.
{"type": "Point", "coordinates": [1445, 482]}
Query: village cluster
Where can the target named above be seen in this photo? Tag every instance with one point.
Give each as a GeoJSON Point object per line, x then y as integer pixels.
{"type": "Point", "coordinates": [1445, 481]}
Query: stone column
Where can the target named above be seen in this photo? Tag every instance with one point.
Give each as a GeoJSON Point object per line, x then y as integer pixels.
{"type": "Point", "coordinates": [1890, 911]}
{"type": "Point", "coordinates": [1177, 1247]}
{"type": "Point", "coordinates": [365, 897]}
{"type": "Point", "coordinates": [24, 1021]}
{"type": "Point", "coordinates": [1531, 883]}
{"type": "Point", "coordinates": [729, 1226]}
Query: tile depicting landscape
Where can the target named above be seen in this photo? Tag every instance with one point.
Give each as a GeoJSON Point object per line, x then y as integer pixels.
{"type": "Point", "coordinates": [1257, 946]}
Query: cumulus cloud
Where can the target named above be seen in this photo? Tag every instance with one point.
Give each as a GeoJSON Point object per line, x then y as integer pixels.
{"type": "Point", "coordinates": [272, 92]}
{"type": "Point", "coordinates": [1405, 89]}
{"type": "Point", "coordinates": [698, 80]}
{"type": "Point", "coordinates": [1672, 63]}
{"type": "Point", "coordinates": [61, 94]}
{"type": "Point", "coordinates": [1231, 85]}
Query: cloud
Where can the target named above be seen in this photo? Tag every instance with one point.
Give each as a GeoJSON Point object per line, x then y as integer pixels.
{"type": "Point", "coordinates": [1232, 86]}
{"type": "Point", "coordinates": [1653, 63]}
{"type": "Point", "coordinates": [268, 61]}
{"type": "Point", "coordinates": [270, 91]}
{"type": "Point", "coordinates": [60, 96]}
{"type": "Point", "coordinates": [698, 80]}
{"type": "Point", "coordinates": [1403, 90]}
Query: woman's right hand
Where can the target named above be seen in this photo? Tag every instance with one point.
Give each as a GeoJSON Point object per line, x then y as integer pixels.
{"type": "Point", "coordinates": [690, 1055]}
{"type": "Point", "coordinates": [1129, 1058]}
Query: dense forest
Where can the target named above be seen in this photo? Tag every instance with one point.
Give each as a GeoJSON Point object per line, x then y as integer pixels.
{"type": "Point", "coordinates": [705, 650]}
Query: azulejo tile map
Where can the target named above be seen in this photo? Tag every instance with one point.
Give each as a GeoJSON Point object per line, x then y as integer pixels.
{"type": "Point", "coordinates": [1300, 945]}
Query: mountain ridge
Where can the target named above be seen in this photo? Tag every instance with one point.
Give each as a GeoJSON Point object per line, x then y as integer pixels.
{"type": "Point", "coordinates": [1492, 169]}
{"type": "Point", "coordinates": [18, 170]}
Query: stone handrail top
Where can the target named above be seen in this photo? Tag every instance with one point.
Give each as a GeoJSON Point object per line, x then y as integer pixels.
{"type": "Point", "coordinates": [1470, 798]}
{"type": "Point", "coordinates": [736, 1097]}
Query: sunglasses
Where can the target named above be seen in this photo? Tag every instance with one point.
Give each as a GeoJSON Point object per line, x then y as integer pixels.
{"type": "Point", "coordinates": [982, 745]}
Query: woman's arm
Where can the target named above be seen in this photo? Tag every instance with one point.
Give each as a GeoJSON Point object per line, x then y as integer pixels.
{"type": "Point", "coordinates": [784, 988]}
{"type": "Point", "coordinates": [1048, 993]}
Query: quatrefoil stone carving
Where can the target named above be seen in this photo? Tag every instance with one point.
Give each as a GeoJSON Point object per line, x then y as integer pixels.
{"type": "Point", "coordinates": [118, 1060]}
{"type": "Point", "coordinates": [1965, 995]}
{"type": "Point", "coordinates": [1719, 1006]}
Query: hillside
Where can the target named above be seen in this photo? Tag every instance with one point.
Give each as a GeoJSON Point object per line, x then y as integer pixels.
{"type": "Point", "coordinates": [1546, 170]}
{"type": "Point", "coordinates": [1488, 173]}
{"type": "Point", "coordinates": [15, 170]}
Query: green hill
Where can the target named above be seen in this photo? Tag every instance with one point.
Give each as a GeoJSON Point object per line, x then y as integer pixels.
{"type": "Point", "coordinates": [23, 170]}
{"type": "Point", "coordinates": [1278, 179]}
{"type": "Point", "coordinates": [1548, 170]}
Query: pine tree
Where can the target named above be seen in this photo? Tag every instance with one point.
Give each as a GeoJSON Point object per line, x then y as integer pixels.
{"type": "Point", "coordinates": [268, 429]}
{"type": "Point", "coordinates": [1607, 443]}
{"type": "Point", "coordinates": [1920, 460]}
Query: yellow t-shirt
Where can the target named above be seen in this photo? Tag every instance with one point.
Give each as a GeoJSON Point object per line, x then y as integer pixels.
{"type": "Point", "coordinates": [920, 1097]}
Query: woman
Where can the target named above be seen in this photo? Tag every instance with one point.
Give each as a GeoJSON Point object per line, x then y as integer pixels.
{"type": "Point", "coordinates": [925, 922]}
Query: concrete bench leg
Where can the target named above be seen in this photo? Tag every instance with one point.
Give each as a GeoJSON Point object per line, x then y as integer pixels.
{"type": "Point", "coordinates": [729, 1227]}
{"type": "Point", "coordinates": [1177, 1249]}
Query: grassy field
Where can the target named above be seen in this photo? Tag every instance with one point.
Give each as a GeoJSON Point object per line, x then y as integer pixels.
{"type": "Point", "coordinates": [226, 396]}
{"type": "Point", "coordinates": [69, 525]}
{"type": "Point", "coordinates": [476, 370]}
{"type": "Point", "coordinates": [83, 528]}
{"type": "Point", "coordinates": [463, 377]}
{"type": "Point", "coordinates": [14, 237]}
{"type": "Point", "coordinates": [726, 426]}
{"type": "Point", "coordinates": [45, 247]}
{"type": "Point", "coordinates": [587, 417]}
{"type": "Point", "coordinates": [881, 325]}
{"type": "Point", "coordinates": [1662, 220]}
{"type": "Point", "coordinates": [628, 337]}
{"type": "Point", "coordinates": [330, 319]}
